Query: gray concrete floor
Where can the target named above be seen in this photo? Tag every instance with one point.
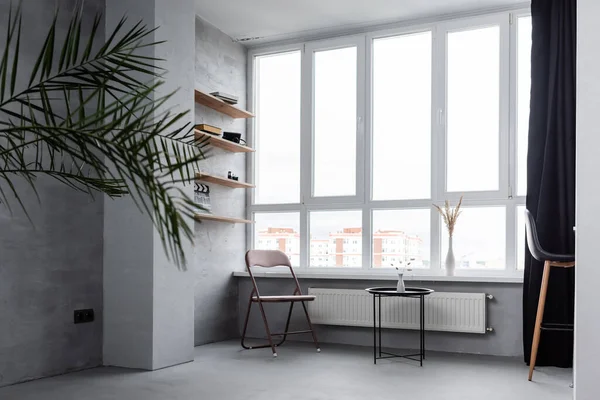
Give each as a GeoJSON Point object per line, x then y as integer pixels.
{"type": "Point", "coordinates": [222, 371]}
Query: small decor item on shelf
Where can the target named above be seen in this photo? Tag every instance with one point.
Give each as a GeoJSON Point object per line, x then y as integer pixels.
{"type": "Point", "coordinates": [213, 130]}
{"type": "Point", "coordinates": [232, 136]}
{"type": "Point", "coordinates": [450, 216]}
{"type": "Point", "coordinates": [227, 98]}
{"type": "Point", "coordinates": [231, 176]}
{"type": "Point", "coordinates": [202, 198]}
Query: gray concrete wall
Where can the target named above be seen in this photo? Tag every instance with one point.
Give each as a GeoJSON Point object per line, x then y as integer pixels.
{"type": "Point", "coordinates": [504, 315]}
{"type": "Point", "coordinates": [219, 247]}
{"type": "Point", "coordinates": [173, 288]}
{"type": "Point", "coordinates": [148, 300]}
{"type": "Point", "coordinates": [53, 266]}
{"type": "Point", "coordinates": [128, 251]}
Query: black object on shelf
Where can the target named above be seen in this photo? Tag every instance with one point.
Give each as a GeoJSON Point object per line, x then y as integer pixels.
{"type": "Point", "coordinates": [379, 292]}
{"type": "Point", "coordinates": [231, 176]}
{"type": "Point", "coordinates": [232, 136]}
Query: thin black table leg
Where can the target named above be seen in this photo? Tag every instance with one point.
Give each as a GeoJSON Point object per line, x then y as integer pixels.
{"type": "Point", "coordinates": [423, 327]}
{"type": "Point", "coordinates": [421, 331]}
{"type": "Point", "coordinates": [379, 325]}
{"type": "Point", "coordinates": [374, 331]}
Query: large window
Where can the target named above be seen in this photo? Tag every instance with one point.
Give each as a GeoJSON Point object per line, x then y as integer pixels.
{"type": "Point", "coordinates": [357, 137]}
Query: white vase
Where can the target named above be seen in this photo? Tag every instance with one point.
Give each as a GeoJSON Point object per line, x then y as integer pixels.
{"type": "Point", "coordinates": [450, 261]}
{"type": "Point", "coordinates": [400, 286]}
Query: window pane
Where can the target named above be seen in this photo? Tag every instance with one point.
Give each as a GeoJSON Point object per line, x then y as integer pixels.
{"type": "Point", "coordinates": [400, 237]}
{"type": "Point", "coordinates": [521, 237]}
{"type": "Point", "coordinates": [278, 231]}
{"type": "Point", "coordinates": [479, 239]}
{"type": "Point", "coordinates": [473, 110]}
{"type": "Point", "coordinates": [402, 117]}
{"type": "Point", "coordinates": [335, 238]}
{"type": "Point", "coordinates": [335, 123]}
{"type": "Point", "coordinates": [278, 128]}
{"type": "Point", "coordinates": [523, 94]}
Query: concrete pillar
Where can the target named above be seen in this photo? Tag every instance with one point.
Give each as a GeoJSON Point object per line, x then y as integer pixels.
{"type": "Point", "coordinates": [587, 270]}
{"type": "Point", "coordinates": [148, 302]}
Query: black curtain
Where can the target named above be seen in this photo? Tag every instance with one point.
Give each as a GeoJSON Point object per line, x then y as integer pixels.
{"type": "Point", "coordinates": [551, 174]}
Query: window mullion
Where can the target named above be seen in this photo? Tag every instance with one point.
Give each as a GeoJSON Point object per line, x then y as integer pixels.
{"type": "Point", "coordinates": [438, 141]}
{"type": "Point", "coordinates": [306, 104]}
{"type": "Point", "coordinates": [367, 216]}
{"type": "Point", "coordinates": [506, 77]}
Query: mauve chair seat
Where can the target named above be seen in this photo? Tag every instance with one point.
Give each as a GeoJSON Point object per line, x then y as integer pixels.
{"type": "Point", "coordinates": [274, 299]}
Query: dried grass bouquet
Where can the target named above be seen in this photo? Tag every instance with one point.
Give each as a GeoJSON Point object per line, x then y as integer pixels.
{"type": "Point", "coordinates": [450, 215]}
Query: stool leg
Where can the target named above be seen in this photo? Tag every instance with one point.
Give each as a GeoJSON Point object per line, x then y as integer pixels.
{"type": "Point", "coordinates": [539, 318]}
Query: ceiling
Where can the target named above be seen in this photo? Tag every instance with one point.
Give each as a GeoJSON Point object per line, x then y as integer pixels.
{"type": "Point", "coordinates": [274, 20]}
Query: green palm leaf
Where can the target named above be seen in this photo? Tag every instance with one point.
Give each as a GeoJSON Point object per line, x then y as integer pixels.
{"type": "Point", "coordinates": [91, 119]}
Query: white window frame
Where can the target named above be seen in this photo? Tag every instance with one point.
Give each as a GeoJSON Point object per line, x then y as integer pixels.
{"type": "Point", "coordinates": [307, 174]}
{"type": "Point", "coordinates": [363, 200]}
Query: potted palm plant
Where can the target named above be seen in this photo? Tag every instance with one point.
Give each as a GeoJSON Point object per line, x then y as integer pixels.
{"type": "Point", "coordinates": [88, 116]}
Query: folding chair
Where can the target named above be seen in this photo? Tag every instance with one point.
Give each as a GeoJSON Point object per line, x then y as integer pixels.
{"type": "Point", "coordinates": [269, 259]}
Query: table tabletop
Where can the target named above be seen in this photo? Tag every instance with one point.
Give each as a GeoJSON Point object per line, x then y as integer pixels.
{"type": "Point", "coordinates": [391, 291]}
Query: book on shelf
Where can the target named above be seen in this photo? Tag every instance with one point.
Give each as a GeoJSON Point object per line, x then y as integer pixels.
{"type": "Point", "coordinates": [213, 130]}
{"type": "Point", "coordinates": [226, 97]}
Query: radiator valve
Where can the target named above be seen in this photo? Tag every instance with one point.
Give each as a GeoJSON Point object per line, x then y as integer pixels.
{"type": "Point", "coordinates": [489, 296]}
{"type": "Point", "coordinates": [489, 329]}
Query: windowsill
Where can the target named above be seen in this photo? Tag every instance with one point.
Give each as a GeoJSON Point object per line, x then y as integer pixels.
{"type": "Point", "coordinates": [370, 276]}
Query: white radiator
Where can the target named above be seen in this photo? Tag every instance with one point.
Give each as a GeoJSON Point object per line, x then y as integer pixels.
{"type": "Point", "coordinates": [449, 312]}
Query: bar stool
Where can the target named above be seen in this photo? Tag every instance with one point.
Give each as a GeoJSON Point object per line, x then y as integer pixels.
{"type": "Point", "coordinates": [550, 260]}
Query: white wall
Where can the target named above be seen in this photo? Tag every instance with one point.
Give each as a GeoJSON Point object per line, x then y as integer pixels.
{"type": "Point", "coordinates": [148, 302]}
{"type": "Point", "coordinates": [587, 281]}
{"type": "Point", "coordinates": [173, 289]}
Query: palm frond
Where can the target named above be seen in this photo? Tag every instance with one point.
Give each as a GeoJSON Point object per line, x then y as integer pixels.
{"type": "Point", "coordinates": [90, 118]}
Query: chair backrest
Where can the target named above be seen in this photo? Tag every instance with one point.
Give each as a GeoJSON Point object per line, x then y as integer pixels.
{"type": "Point", "coordinates": [533, 241]}
{"type": "Point", "coordinates": [267, 259]}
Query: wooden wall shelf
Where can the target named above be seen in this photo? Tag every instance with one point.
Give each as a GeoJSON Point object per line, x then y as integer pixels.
{"type": "Point", "coordinates": [204, 177]}
{"type": "Point", "coordinates": [219, 105]}
{"type": "Point", "coordinates": [216, 218]}
{"type": "Point", "coordinates": [222, 143]}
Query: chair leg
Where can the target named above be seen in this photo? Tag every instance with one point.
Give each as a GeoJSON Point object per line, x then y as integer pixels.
{"type": "Point", "coordinates": [264, 316]}
{"type": "Point", "coordinates": [312, 330]}
{"type": "Point", "coordinates": [539, 318]}
{"type": "Point", "coordinates": [287, 325]}
{"type": "Point", "coordinates": [246, 324]}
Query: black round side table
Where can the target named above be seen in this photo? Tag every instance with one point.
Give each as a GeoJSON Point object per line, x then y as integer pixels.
{"type": "Point", "coordinates": [378, 292]}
